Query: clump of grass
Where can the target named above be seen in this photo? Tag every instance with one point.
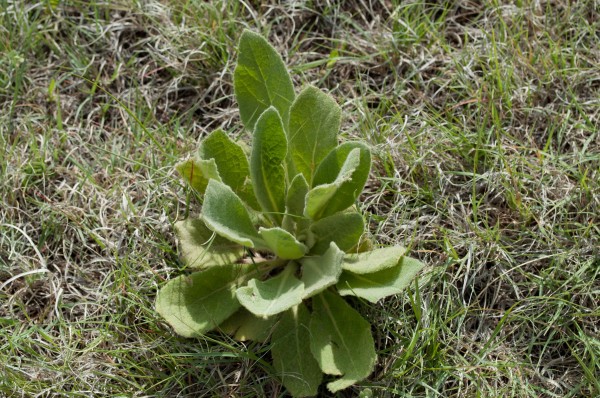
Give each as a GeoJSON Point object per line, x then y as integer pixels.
{"type": "Point", "coordinates": [484, 119]}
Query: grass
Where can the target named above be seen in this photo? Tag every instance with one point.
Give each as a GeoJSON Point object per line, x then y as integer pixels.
{"type": "Point", "coordinates": [484, 119]}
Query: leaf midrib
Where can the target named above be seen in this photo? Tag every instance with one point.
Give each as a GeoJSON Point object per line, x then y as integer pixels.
{"type": "Point", "coordinates": [341, 336]}
{"type": "Point", "coordinates": [263, 81]}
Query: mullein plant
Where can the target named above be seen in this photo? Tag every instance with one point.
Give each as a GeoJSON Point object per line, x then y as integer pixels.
{"type": "Point", "coordinates": [292, 200]}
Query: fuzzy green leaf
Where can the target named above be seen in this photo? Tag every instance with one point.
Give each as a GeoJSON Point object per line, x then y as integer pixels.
{"type": "Point", "coordinates": [341, 341]}
{"type": "Point", "coordinates": [273, 296]}
{"type": "Point", "coordinates": [292, 358]}
{"type": "Point", "coordinates": [374, 260]}
{"type": "Point", "coordinates": [330, 167]}
{"type": "Point", "coordinates": [201, 247]}
{"type": "Point", "coordinates": [194, 304]}
{"type": "Point", "coordinates": [322, 198]}
{"type": "Point", "coordinates": [261, 80]}
{"type": "Point", "coordinates": [295, 201]}
{"type": "Point", "coordinates": [314, 123]}
{"type": "Point", "coordinates": [333, 165]}
{"type": "Point", "coordinates": [197, 172]}
{"type": "Point", "coordinates": [296, 196]}
{"type": "Point", "coordinates": [344, 229]}
{"type": "Point", "coordinates": [224, 212]}
{"type": "Point", "coordinates": [318, 273]}
{"type": "Point", "coordinates": [244, 325]}
{"type": "Point", "coordinates": [269, 149]}
{"type": "Point", "coordinates": [282, 243]}
{"type": "Point", "coordinates": [377, 285]}
{"type": "Point", "coordinates": [232, 164]}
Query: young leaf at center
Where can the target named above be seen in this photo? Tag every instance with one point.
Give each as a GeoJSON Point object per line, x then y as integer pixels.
{"type": "Point", "coordinates": [282, 243]}
{"type": "Point", "coordinates": [294, 220]}
{"type": "Point", "coordinates": [334, 165]}
{"type": "Point", "coordinates": [319, 199]}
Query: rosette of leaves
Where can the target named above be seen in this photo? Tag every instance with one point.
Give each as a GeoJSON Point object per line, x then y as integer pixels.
{"type": "Point", "coordinates": [290, 198]}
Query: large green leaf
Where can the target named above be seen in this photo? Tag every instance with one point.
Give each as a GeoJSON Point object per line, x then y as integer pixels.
{"type": "Point", "coordinates": [269, 149]}
{"type": "Point", "coordinates": [377, 285]}
{"type": "Point", "coordinates": [244, 325]}
{"type": "Point", "coordinates": [282, 243]}
{"type": "Point", "coordinates": [273, 296]}
{"type": "Point", "coordinates": [314, 124]}
{"type": "Point", "coordinates": [341, 341]}
{"type": "Point", "coordinates": [374, 260]}
{"type": "Point", "coordinates": [224, 212]}
{"type": "Point", "coordinates": [322, 198]}
{"type": "Point", "coordinates": [333, 165]}
{"type": "Point", "coordinates": [197, 172]}
{"type": "Point", "coordinates": [231, 162]}
{"type": "Point", "coordinates": [261, 80]}
{"type": "Point", "coordinates": [318, 273]}
{"type": "Point", "coordinates": [194, 304]}
{"type": "Point", "coordinates": [201, 247]}
{"type": "Point", "coordinates": [292, 358]}
{"type": "Point", "coordinates": [294, 205]}
{"type": "Point", "coordinates": [344, 229]}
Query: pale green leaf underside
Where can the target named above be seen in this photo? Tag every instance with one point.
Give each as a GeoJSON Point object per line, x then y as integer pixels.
{"type": "Point", "coordinates": [244, 325]}
{"type": "Point", "coordinates": [292, 358]}
{"type": "Point", "coordinates": [344, 229]}
{"type": "Point", "coordinates": [318, 273]}
{"type": "Point", "coordinates": [197, 172]}
{"type": "Point", "coordinates": [269, 149]}
{"type": "Point", "coordinates": [374, 260]}
{"type": "Point", "coordinates": [377, 285]}
{"type": "Point", "coordinates": [231, 162]}
{"type": "Point", "coordinates": [201, 247]}
{"type": "Point", "coordinates": [224, 213]}
{"type": "Point", "coordinates": [341, 341]}
{"type": "Point", "coordinates": [273, 296]}
{"type": "Point", "coordinates": [320, 197]}
{"type": "Point", "coordinates": [197, 303]}
{"type": "Point", "coordinates": [261, 80]}
{"type": "Point", "coordinates": [314, 123]}
{"type": "Point", "coordinates": [283, 244]}
{"type": "Point", "coordinates": [333, 165]}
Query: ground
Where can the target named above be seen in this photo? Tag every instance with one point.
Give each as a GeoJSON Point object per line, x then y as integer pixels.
{"type": "Point", "coordinates": [484, 121]}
